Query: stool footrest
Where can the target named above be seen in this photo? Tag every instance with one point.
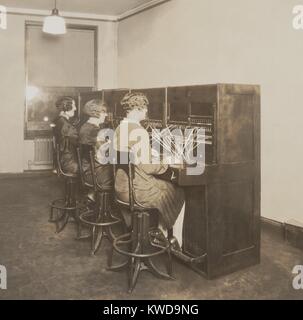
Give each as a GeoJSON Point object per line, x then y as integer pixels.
{"type": "Point", "coordinates": [84, 217]}
{"type": "Point", "coordinates": [120, 240]}
{"type": "Point", "coordinates": [63, 212]}
{"type": "Point", "coordinates": [60, 204]}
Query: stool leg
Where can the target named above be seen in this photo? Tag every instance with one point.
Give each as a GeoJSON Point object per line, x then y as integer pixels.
{"type": "Point", "coordinates": [81, 226]}
{"type": "Point", "coordinates": [62, 222]}
{"type": "Point", "coordinates": [66, 191]}
{"type": "Point", "coordinates": [169, 264]}
{"type": "Point", "coordinates": [64, 219]}
{"type": "Point", "coordinates": [97, 231]}
{"type": "Point", "coordinates": [76, 214]}
{"type": "Point", "coordinates": [108, 216]}
{"type": "Point", "coordinates": [134, 270]}
{"type": "Point", "coordinates": [72, 190]}
{"type": "Point", "coordinates": [110, 257]}
{"type": "Point", "coordinates": [137, 247]}
{"type": "Point", "coordinates": [51, 216]}
{"type": "Point", "coordinates": [79, 235]}
{"type": "Point", "coordinates": [72, 202]}
{"type": "Point", "coordinates": [155, 271]}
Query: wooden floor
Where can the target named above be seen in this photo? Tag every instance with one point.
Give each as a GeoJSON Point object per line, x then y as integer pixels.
{"type": "Point", "coordinates": [43, 265]}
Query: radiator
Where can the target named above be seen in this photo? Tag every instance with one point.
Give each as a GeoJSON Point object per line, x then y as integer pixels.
{"type": "Point", "coordinates": [43, 154]}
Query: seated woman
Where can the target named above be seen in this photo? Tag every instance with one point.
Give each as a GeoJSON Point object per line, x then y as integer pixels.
{"type": "Point", "coordinates": [149, 190]}
{"type": "Point", "coordinates": [66, 134]}
{"type": "Point", "coordinates": [89, 135]}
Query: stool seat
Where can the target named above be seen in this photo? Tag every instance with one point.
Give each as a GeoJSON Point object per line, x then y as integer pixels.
{"type": "Point", "coordinates": [69, 175]}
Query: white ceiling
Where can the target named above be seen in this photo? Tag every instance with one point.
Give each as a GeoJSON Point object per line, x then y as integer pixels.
{"type": "Point", "coordinates": [102, 7]}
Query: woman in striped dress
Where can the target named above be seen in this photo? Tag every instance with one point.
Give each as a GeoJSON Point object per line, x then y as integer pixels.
{"type": "Point", "coordinates": [149, 190]}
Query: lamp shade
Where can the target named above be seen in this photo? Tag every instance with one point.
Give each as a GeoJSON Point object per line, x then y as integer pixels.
{"type": "Point", "coordinates": [54, 24]}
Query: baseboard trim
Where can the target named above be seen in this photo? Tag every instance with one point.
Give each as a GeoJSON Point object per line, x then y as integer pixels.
{"type": "Point", "coordinates": [26, 174]}
{"type": "Point", "coordinates": [290, 233]}
{"type": "Point", "coordinates": [274, 227]}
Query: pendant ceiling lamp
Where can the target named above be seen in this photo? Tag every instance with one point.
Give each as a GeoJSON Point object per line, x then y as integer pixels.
{"type": "Point", "coordinates": [54, 24]}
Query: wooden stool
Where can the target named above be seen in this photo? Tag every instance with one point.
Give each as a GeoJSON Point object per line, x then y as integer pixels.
{"type": "Point", "coordinates": [143, 243]}
{"type": "Point", "coordinates": [68, 206]}
{"type": "Point", "coordinates": [99, 218]}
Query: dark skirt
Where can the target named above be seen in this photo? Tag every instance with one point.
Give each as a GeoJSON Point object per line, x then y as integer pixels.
{"type": "Point", "coordinates": [69, 163]}
{"type": "Point", "coordinates": [104, 175]}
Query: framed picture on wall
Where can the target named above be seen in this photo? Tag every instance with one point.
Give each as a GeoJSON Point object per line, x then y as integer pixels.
{"type": "Point", "coordinates": [40, 108]}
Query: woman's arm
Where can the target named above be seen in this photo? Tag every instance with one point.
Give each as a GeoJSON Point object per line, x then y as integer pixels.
{"type": "Point", "coordinates": [70, 132]}
{"type": "Point", "coordinates": [154, 169]}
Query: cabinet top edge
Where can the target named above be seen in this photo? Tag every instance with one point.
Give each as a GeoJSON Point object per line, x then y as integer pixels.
{"type": "Point", "coordinates": [256, 86]}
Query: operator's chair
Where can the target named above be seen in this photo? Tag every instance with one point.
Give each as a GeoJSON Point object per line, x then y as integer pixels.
{"type": "Point", "coordinates": [68, 206]}
{"type": "Point", "coordinates": [99, 215]}
{"type": "Point", "coordinates": [143, 242]}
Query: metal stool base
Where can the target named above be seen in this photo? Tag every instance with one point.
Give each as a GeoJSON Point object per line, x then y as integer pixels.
{"type": "Point", "coordinates": [64, 213]}
{"type": "Point", "coordinates": [140, 242]}
{"type": "Point", "coordinates": [100, 229]}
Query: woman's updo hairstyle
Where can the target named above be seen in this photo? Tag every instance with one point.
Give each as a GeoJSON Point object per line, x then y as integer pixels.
{"type": "Point", "coordinates": [134, 100]}
{"type": "Point", "coordinates": [65, 104]}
